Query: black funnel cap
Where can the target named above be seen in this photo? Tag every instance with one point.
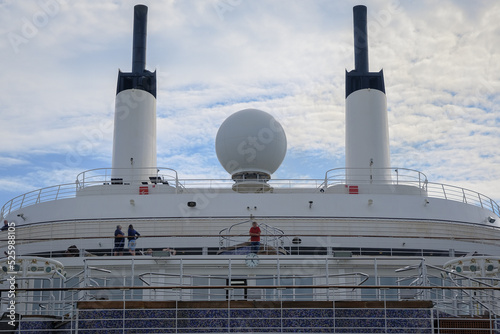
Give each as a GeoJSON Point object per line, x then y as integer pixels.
{"type": "Point", "coordinates": [139, 78]}
{"type": "Point", "coordinates": [361, 77]}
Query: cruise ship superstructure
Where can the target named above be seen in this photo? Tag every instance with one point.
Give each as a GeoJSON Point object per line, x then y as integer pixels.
{"type": "Point", "coordinates": [369, 248]}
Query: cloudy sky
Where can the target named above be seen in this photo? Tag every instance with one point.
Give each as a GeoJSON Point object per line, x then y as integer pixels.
{"type": "Point", "coordinates": [60, 58]}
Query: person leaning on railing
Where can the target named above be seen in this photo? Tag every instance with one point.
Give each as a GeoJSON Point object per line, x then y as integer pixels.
{"type": "Point", "coordinates": [119, 241]}
{"type": "Point", "coordinates": [132, 239]}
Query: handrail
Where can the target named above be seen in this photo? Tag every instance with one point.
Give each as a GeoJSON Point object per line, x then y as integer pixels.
{"type": "Point", "coordinates": [98, 176]}
{"type": "Point", "coordinates": [458, 194]}
{"type": "Point", "coordinates": [337, 289]}
{"type": "Point", "coordinates": [333, 177]}
{"type": "Point", "coordinates": [271, 235]}
{"type": "Point", "coordinates": [397, 176]}
{"type": "Point", "coordinates": [451, 275]}
{"type": "Point", "coordinates": [52, 193]}
{"type": "Point", "coordinates": [410, 177]}
{"type": "Point", "coordinates": [364, 278]}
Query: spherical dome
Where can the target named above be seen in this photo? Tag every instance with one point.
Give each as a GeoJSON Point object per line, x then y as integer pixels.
{"type": "Point", "coordinates": [250, 140]}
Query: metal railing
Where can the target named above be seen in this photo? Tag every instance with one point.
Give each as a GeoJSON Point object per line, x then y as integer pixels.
{"type": "Point", "coordinates": [231, 314]}
{"type": "Point", "coordinates": [315, 277]}
{"type": "Point", "coordinates": [287, 298]}
{"type": "Point", "coordinates": [381, 176]}
{"type": "Point", "coordinates": [410, 177]}
{"type": "Point", "coordinates": [458, 194]}
{"type": "Point", "coordinates": [236, 236]}
{"type": "Point", "coordinates": [333, 177]}
{"type": "Point", "coordinates": [105, 176]}
{"type": "Point", "coordinates": [47, 194]}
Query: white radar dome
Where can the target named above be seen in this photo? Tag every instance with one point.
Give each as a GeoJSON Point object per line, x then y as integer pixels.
{"type": "Point", "coordinates": [250, 144]}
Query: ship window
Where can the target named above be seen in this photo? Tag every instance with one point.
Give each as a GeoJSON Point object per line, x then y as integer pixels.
{"type": "Point", "coordinates": [304, 294]}
{"type": "Point", "coordinates": [286, 294]}
{"type": "Point", "coordinates": [267, 293]}
{"type": "Point", "coordinates": [135, 294]}
{"type": "Point", "coordinates": [208, 294]}
{"type": "Point", "coordinates": [389, 294]}
{"type": "Point", "coordinates": [200, 294]}
{"type": "Point", "coordinates": [434, 293]}
{"type": "Point", "coordinates": [239, 291]}
{"type": "Point", "coordinates": [369, 294]}
{"type": "Point", "coordinates": [41, 298]}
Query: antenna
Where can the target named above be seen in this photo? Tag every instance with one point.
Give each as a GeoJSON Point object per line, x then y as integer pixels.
{"type": "Point", "coordinates": [139, 43]}
{"type": "Point", "coordinates": [360, 40]}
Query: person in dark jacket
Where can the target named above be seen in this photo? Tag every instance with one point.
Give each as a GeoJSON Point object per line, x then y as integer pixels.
{"type": "Point", "coordinates": [132, 237]}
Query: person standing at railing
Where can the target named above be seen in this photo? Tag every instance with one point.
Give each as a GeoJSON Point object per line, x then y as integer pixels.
{"type": "Point", "coordinates": [255, 237]}
{"type": "Point", "coordinates": [132, 237]}
{"type": "Point", "coordinates": [119, 241]}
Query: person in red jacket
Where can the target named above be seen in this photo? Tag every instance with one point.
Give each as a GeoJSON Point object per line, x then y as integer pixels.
{"type": "Point", "coordinates": [255, 237]}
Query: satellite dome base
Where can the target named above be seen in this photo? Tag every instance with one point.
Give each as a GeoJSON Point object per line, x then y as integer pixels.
{"type": "Point", "coordinates": [249, 186]}
{"type": "Point", "coordinates": [251, 182]}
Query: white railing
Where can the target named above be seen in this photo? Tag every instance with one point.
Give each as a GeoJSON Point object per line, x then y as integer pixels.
{"type": "Point", "coordinates": [47, 194]}
{"type": "Point", "coordinates": [231, 314]}
{"type": "Point", "coordinates": [104, 176]}
{"type": "Point", "coordinates": [396, 175]}
{"type": "Point", "coordinates": [410, 177]}
{"type": "Point", "coordinates": [281, 185]}
{"type": "Point", "coordinates": [453, 193]}
{"type": "Point", "coordinates": [292, 298]}
{"type": "Point", "coordinates": [237, 236]}
{"type": "Point", "coordinates": [399, 176]}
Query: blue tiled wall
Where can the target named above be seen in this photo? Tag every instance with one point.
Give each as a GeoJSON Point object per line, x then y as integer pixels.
{"type": "Point", "coordinates": [262, 320]}
{"type": "Point", "coordinates": [243, 320]}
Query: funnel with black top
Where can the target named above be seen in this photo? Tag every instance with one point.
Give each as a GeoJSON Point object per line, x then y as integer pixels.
{"type": "Point", "coordinates": [367, 131]}
{"type": "Point", "coordinates": [134, 139]}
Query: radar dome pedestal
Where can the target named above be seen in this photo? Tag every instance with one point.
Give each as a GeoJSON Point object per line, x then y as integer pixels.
{"type": "Point", "coordinates": [251, 145]}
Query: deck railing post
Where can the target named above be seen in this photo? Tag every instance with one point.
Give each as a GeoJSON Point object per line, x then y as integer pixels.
{"type": "Point", "coordinates": [57, 192]}
{"type": "Point", "coordinates": [22, 201]}
{"type": "Point", "coordinates": [229, 292]}
{"type": "Point", "coordinates": [177, 315]}
{"type": "Point", "coordinates": [124, 309]}
{"type": "Point", "coordinates": [77, 313]}
{"type": "Point", "coordinates": [385, 310]}
{"type": "Point", "coordinates": [431, 317]}
{"type": "Point", "coordinates": [375, 274]}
